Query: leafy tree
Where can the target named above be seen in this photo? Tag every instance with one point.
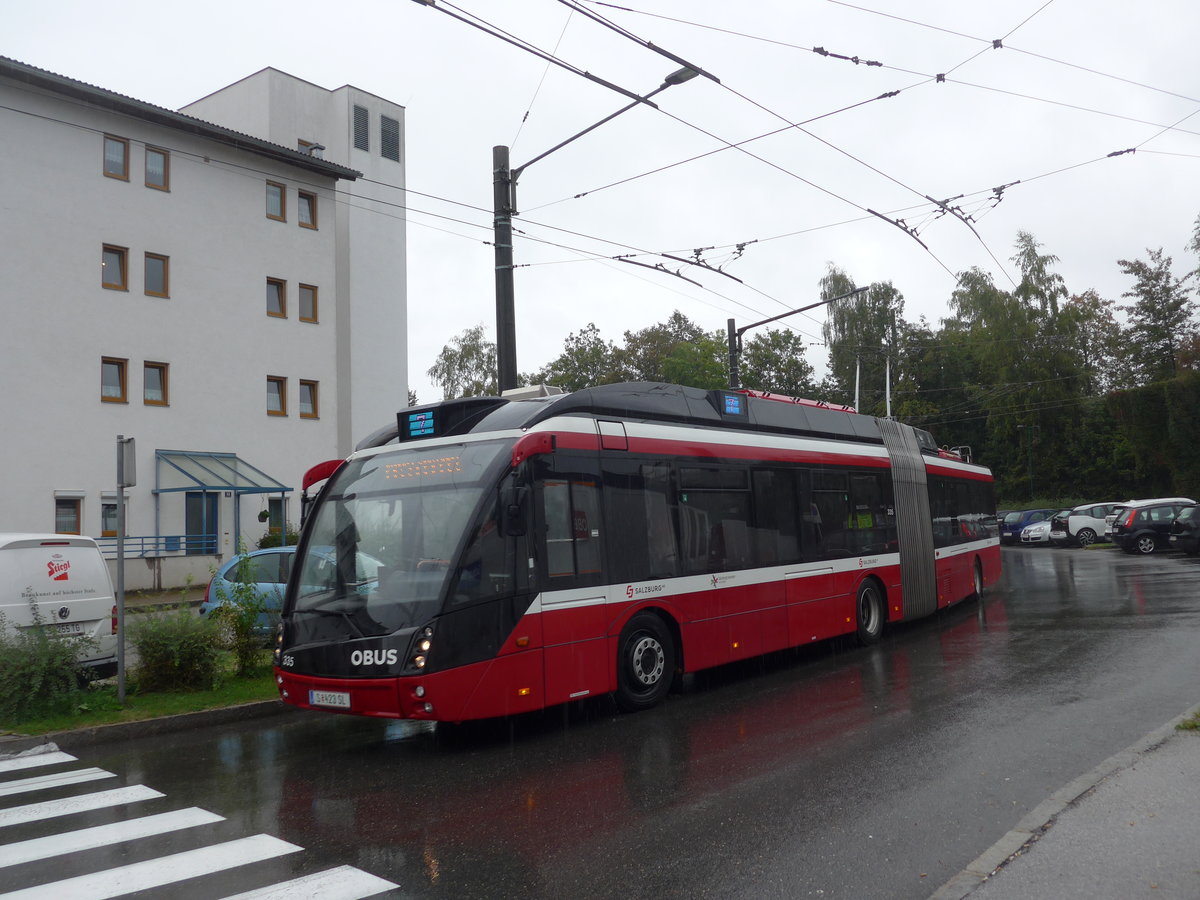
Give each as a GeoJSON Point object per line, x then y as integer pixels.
{"type": "Point", "coordinates": [774, 361]}
{"type": "Point", "coordinates": [1090, 330]}
{"type": "Point", "coordinates": [861, 331]}
{"type": "Point", "coordinates": [466, 367]}
{"type": "Point", "coordinates": [586, 360]}
{"type": "Point", "coordinates": [1160, 317]}
{"type": "Point", "coordinates": [645, 354]}
{"type": "Point", "coordinates": [1038, 283]}
{"type": "Point", "coordinates": [701, 363]}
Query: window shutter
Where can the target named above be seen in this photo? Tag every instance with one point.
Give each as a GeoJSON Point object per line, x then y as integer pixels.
{"type": "Point", "coordinates": [389, 138]}
{"type": "Point", "coordinates": [361, 126]}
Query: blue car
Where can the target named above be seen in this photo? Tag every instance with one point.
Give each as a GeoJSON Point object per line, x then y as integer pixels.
{"type": "Point", "coordinates": [1015, 522]}
{"type": "Point", "coordinates": [265, 575]}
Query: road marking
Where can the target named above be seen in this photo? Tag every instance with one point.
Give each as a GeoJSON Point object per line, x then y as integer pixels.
{"type": "Point", "coordinates": [158, 872]}
{"type": "Point", "coordinates": [50, 809]}
{"type": "Point", "coordinates": [44, 782]}
{"type": "Point", "coordinates": [35, 759]}
{"type": "Point", "coordinates": [104, 835]}
{"type": "Point", "coordinates": [342, 883]}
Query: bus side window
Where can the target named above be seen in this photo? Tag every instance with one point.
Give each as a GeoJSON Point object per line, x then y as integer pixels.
{"type": "Point", "coordinates": [828, 517]}
{"type": "Point", "coordinates": [641, 545]}
{"type": "Point", "coordinates": [571, 507]}
{"type": "Point", "coordinates": [774, 529]}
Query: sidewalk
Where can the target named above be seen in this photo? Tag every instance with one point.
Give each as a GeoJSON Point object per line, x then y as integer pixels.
{"type": "Point", "coordinates": [1128, 829]}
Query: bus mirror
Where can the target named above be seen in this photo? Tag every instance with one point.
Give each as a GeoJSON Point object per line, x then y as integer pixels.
{"type": "Point", "coordinates": [514, 501]}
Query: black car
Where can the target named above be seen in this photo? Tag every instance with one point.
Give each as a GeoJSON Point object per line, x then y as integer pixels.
{"type": "Point", "coordinates": [1145, 526]}
{"type": "Point", "coordinates": [1185, 530]}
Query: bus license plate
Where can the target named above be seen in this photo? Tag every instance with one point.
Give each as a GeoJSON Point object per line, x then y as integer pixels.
{"type": "Point", "coordinates": [340, 699]}
{"type": "Point", "coordinates": [69, 627]}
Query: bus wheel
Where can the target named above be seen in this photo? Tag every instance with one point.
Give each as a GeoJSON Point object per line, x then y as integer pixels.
{"type": "Point", "coordinates": [869, 612]}
{"type": "Point", "coordinates": [978, 583]}
{"type": "Point", "coordinates": [645, 663]}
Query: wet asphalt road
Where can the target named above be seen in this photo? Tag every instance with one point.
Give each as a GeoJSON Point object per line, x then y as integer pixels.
{"type": "Point", "coordinates": [838, 772]}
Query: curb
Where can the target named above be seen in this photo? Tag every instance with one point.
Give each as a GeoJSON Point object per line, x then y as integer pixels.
{"type": "Point", "coordinates": [123, 731]}
{"type": "Point", "coordinates": [1043, 816]}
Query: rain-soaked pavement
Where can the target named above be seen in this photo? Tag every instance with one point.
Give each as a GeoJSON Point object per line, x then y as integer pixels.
{"type": "Point", "coordinates": [838, 772]}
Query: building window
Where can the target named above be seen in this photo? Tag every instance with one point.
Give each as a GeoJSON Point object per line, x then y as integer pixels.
{"type": "Point", "coordinates": [308, 400]}
{"type": "Point", "coordinates": [276, 201]}
{"type": "Point", "coordinates": [308, 209]}
{"type": "Point", "coordinates": [116, 157]}
{"type": "Point", "coordinates": [277, 298]}
{"type": "Point", "coordinates": [108, 518]}
{"type": "Point", "coordinates": [389, 138]}
{"type": "Point", "coordinates": [276, 515]}
{"type": "Point", "coordinates": [308, 303]}
{"type": "Point", "coordinates": [112, 380]}
{"type": "Point", "coordinates": [362, 126]}
{"type": "Point", "coordinates": [157, 267]}
{"type": "Point", "coordinates": [276, 396]}
{"type": "Point", "coordinates": [158, 169]}
{"type": "Point", "coordinates": [154, 384]}
{"type": "Point", "coordinates": [68, 518]}
{"type": "Point", "coordinates": [113, 271]}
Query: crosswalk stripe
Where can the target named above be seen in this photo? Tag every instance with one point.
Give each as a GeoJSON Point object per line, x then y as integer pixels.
{"type": "Point", "coordinates": [44, 782]}
{"type": "Point", "coordinates": [104, 835]}
{"type": "Point", "coordinates": [158, 872]}
{"type": "Point", "coordinates": [342, 883]}
{"type": "Point", "coordinates": [16, 763]}
{"type": "Point", "coordinates": [50, 809]}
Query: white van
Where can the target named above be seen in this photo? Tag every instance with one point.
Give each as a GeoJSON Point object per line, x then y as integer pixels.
{"type": "Point", "coordinates": [63, 580]}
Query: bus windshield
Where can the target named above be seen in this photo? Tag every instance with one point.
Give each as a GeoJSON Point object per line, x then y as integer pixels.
{"type": "Point", "coordinates": [383, 543]}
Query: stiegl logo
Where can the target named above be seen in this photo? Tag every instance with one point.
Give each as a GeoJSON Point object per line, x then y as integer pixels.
{"type": "Point", "coordinates": [373, 657]}
{"type": "Point", "coordinates": [59, 569]}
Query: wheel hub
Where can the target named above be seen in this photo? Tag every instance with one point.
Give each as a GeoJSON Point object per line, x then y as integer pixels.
{"type": "Point", "coordinates": [647, 659]}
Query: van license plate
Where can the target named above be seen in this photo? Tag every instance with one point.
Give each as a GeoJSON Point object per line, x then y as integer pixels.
{"type": "Point", "coordinates": [339, 699]}
{"type": "Point", "coordinates": [69, 627]}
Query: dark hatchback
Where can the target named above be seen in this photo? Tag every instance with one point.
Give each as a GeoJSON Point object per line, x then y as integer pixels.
{"type": "Point", "coordinates": [1185, 530]}
{"type": "Point", "coordinates": [1015, 522]}
{"type": "Point", "coordinates": [1146, 526]}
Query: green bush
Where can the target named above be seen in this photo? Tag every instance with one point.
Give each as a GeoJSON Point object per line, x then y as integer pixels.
{"type": "Point", "coordinates": [39, 674]}
{"type": "Point", "coordinates": [176, 651]}
{"type": "Point", "coordinates": [238, 617]}
{"type": "Point", "coordinates": [287, 538]}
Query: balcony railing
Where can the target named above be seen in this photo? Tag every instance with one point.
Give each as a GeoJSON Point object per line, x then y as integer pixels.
{"type": "Point", "coordinates": [153, 545]}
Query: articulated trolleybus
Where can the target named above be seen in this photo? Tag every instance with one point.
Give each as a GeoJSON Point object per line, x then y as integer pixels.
{"type": "Point", "coordinates": [490, 556]}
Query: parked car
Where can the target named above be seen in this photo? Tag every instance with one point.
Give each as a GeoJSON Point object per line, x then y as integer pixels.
{"type": "Point", "coordinates": [1145, 526]}
{"type": "Point", "coordinates": [1014, 523]}
{"type": "Point", "coordinates": [1039, 532]}
{"type": "Point", "coordinates": [1083, 525]}
{"type": "Point", "coordinates": [262, 574]}
{"type": "Point", "coordinates": [61, 583]}
{"type": "Point", "coordinates": [1185, 530]}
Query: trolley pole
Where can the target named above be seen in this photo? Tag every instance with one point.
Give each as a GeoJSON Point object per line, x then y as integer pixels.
{"type": "Point", "coordinates": [735, 333]}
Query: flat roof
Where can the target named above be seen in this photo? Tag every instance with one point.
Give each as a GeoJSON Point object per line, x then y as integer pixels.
{"type": "Point", "coordinates": [159, 115]}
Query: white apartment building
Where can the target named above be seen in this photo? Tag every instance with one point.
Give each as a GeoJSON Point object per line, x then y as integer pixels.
{"type": "Point", "coordinates": [196, 287]}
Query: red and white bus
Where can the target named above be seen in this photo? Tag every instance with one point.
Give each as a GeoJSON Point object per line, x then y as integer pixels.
{"type": "Point", "coordinates": [493, 556]}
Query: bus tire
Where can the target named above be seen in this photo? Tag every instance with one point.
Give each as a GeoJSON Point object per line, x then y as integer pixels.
{"type": "Point", "coordinates": [645, 663]}
{"type": "Point", "coordinates": [869, 612]}
{"type": "Point", "coordinates": [977, 584]}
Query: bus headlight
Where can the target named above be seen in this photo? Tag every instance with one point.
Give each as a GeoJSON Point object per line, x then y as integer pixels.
{"type": "Point", "coordinates": [420, 648]}
{"type": "Point", "coordinates": [278, 654]}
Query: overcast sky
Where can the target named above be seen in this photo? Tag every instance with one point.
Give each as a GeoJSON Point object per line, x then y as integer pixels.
{"type": "Point", "coordinates": [1071, 82]}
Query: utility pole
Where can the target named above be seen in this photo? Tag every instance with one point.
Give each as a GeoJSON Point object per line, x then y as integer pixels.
{"type": "Point", "coordinates": [504, 206]}
{"type": "Point", "coordinates": [506, 320]}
